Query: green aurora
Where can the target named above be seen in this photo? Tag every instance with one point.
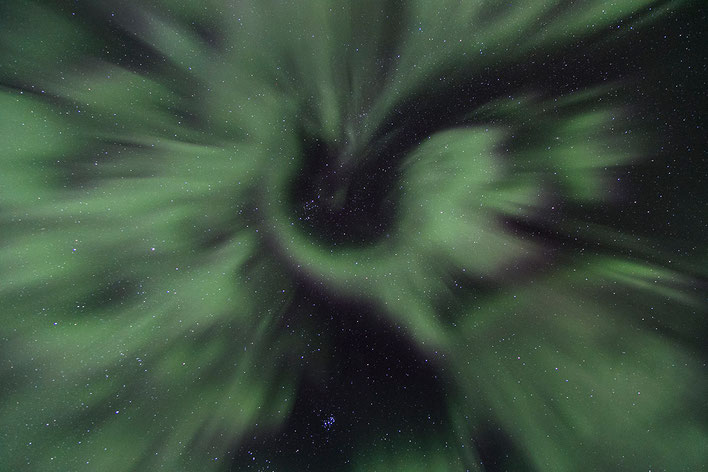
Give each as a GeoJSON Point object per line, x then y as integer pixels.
{"type": "Point", "coordinates": [196, 196]}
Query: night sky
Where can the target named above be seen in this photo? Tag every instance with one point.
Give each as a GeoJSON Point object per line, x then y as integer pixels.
{"type": "Point", "coordinates": [353, 235]}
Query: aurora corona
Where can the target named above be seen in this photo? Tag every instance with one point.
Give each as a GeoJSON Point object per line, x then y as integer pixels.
{"type": "Point", "coordinates": [336, 235]}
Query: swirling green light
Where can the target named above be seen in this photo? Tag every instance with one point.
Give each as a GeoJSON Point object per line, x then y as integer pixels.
{"type": "Point", "coordinates": [153, 259]}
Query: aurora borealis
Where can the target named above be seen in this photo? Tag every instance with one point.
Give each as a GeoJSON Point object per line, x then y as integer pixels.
{"type": "Point", "coordinates": [353, 235]}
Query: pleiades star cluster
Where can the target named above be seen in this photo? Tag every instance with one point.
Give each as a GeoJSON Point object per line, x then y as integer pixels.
{"type": "Point", "coordinates": [372, 235]}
